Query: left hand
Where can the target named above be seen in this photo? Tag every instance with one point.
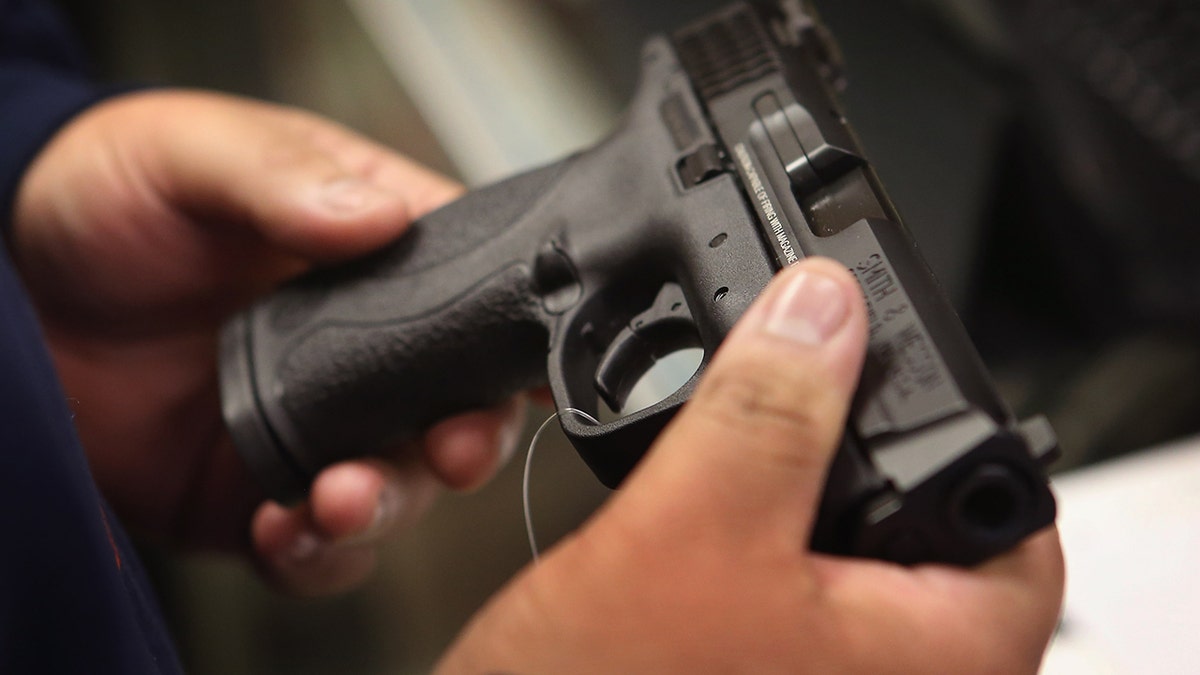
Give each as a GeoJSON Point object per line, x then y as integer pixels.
{"type": "Point", "coordinates": [146, 222]}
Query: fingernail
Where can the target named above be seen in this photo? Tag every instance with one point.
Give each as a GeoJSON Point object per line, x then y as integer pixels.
{"type": "Point", "coordinates": [304, 548]}
{"type": "Point", "coordinates": [809, 310]}
{"type": "Point", "coordinates": [509, 434]}
{"type": "Point", "coordinates": [349, 195]}
{"type": "Point", "coordinates": [388, 508]}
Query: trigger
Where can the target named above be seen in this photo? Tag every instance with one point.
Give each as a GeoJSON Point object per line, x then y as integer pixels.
{"type": "Point", "coordinates": [663, 329]}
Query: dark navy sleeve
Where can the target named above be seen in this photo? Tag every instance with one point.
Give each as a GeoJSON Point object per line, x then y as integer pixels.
{"type": "Point", "coordinates": [73, 596]}
{"type": "Point", "coordinates": [43, 83]}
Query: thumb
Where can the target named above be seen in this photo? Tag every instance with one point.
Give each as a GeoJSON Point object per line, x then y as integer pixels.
{"type": "Point", "coordinates": [306, 185]}
{"type": "Point", "coordinates": [747, 456]}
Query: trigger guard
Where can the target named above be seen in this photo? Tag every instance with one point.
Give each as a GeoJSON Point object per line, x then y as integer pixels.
{"type": "Point", "coordinates": [612, 449]}
{"type": "Point", "coordinates": [663, 329]}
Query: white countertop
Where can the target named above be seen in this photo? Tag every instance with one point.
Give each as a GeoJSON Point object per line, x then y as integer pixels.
{"type": "Point", "coordinates": [1131, 533]}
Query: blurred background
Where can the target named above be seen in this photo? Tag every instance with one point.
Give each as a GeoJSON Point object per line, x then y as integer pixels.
{"type": "Point", "coordinates": [1045, 153]}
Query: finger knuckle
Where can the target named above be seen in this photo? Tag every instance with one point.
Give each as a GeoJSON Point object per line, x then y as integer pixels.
{"type": "Point", "coordinates": [757, 397]}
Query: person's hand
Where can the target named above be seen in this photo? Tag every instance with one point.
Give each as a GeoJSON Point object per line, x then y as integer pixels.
{"type": "Point", "coordinates": [139, 228]}
{"type": "Point", "coordinates": [700, 563]}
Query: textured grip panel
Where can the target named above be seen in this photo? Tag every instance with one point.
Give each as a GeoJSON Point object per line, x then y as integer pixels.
{"type": "Point", "coordinates": [355, 359]}
{"type": "Point", "coordinates": [350, 388]}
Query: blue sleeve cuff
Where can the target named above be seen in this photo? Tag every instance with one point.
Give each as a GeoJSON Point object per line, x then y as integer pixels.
{"type": "Point", "coordinates": [35, 101]}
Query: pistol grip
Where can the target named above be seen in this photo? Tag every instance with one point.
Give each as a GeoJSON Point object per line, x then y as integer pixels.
{"type": "Point", "coordinates": [356, 359]}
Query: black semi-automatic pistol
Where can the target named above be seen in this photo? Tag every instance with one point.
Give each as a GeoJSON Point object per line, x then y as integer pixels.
{"type": "Point", "coordinates": [733, 161]}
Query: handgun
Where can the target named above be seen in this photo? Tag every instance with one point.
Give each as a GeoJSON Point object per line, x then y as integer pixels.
{"type": "Point", "coordinates": [734, 160]}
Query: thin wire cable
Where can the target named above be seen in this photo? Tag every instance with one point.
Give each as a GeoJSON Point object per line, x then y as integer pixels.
{"type": "Point", "coordinates": [533, 547]}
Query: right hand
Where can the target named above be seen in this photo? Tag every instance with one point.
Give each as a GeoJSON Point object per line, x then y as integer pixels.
{"type": "Point", "coordinates": [701, 564]}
